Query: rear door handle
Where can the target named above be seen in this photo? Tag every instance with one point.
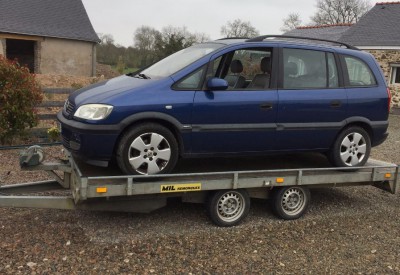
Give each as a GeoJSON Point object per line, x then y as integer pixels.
{"type": "Point", "coordinates": [336, 103]}
{"type": "Point", "coordinates": [266, 106]}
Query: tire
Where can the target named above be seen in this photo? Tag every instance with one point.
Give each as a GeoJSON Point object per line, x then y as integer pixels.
{"type": "Point", "coordinates": [351, 148]}
{"type": "Point", "coordinates": [228, 207]}
{"type": "Point", "coordinates": [147, 149]}
{"type": "Point", "coordinates": [291, 202]}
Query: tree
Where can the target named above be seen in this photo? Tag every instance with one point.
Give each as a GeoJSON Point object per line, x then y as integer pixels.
{"type": "Point", "coordinates": [106, 39]}
{"type": "Point", "coordinates": [173, 39]}
{"type": "Point", "coordinates": [239, 28]}
{"type": "Point", "coordinates": [145, 38]}
{"type": "Point", "coordinates": [291, 22]}
{"type": "Point", "coordinates": [339, 11]}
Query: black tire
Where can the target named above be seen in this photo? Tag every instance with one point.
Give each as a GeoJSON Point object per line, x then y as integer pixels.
{"type": "Point", "coordinates": [290, 202]}
{"type": "Point", "coordinates": [228, 207]}
{"type": "Point", "coordinates": [351, 148]}
{"type": "Point", "coordinates": [152, 155]}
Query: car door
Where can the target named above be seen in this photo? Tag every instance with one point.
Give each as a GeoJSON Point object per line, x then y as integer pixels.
{"type": "Point", "coordinates": [312, 99]}
{"type": "Point", "coordinates": [242, 118]}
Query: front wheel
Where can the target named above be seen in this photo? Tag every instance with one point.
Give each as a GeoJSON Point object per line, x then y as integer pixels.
{"type": "Point", "coordinates": [351, 148]}
{"type": "Point", "coordinates": [228, 207]}
{"type": "Point", "coordinates": [147, 149]}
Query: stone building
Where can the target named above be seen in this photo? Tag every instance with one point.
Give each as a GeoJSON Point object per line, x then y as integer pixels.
{"type": "Point", "coordinates": [48, 36]}
{"type": "Point", "coordinates": [377, 32]}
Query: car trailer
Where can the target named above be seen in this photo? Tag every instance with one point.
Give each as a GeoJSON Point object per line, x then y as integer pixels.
{"type": "Point", "coordinates": [226, 194]}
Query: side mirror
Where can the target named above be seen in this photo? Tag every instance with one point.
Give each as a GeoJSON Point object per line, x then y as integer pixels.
{"type": "Point", "coordinates": [217, 84]}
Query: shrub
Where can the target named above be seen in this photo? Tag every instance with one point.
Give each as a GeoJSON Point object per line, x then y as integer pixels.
{"type": "Point", "coordinates": [54, 134]}
{"type": "Point", "coordinates": [19, 95]}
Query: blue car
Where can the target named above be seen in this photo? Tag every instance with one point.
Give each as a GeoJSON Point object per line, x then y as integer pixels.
{"type": "Point", "coordinates": [233, 97]}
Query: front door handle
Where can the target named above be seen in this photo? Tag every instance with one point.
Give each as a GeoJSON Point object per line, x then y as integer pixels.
{"type": "Point", "coordinates": [266, 106]}
{"type": "Point", "coordinates": [336, 103]}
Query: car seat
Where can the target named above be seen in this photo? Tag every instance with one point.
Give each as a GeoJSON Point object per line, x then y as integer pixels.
{"type": "Point", "coordinates": [260, 81]}
{"type": "Point", "coordinates": [236, 80]}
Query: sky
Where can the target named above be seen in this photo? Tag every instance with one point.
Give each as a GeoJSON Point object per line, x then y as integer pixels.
{"type": "Point", "coordinates": [121, 18]}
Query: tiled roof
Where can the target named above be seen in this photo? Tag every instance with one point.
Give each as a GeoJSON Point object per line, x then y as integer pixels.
{"type": "Point", "coordinates": [325, 26]}
{"type": "Point", "coordinates": [387, 3]}
{"type": "Point", "coordinates": [50, 18]}
{"type": "Point", "coordinates": [330, 32]}
{"type": "Point", "coordinates": [378, 27]}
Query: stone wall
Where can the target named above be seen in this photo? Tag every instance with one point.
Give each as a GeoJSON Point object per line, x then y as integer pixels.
{"type": "Point", "coordinates": [62, 56]}
{"type": "Point", "coordinates": [385, 57]}
{"type": "Point", "coordinates": [59, 56]}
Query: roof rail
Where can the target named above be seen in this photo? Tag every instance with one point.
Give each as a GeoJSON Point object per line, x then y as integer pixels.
{"type": "Point", "coordinates": [227, 38]}
{"type": "Point", "coordinates": [261, 38]}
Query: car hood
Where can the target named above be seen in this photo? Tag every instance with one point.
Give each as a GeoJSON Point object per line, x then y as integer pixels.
{"type": "Point", "coordinates": [100, 92]}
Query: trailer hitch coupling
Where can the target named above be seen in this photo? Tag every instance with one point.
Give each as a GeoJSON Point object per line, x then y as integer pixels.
{"type": "Point", "coordinates": [33, 156]}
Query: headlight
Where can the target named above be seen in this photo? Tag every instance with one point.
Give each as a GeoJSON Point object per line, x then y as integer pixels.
{"type": "Point", "coordinates": [93, 111]}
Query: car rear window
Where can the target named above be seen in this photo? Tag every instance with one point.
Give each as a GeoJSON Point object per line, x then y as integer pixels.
{"type": "Point", "coordinates": [359, 73]}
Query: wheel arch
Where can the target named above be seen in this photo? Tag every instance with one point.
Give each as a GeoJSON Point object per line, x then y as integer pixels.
{"type": "Point", "coordinates": [165, 120]}
{"type": "Point", "coordinates": [356, 121]}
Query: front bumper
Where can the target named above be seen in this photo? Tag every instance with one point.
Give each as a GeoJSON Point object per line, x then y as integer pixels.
{"type": "Point", "coordinates": [90, 142]}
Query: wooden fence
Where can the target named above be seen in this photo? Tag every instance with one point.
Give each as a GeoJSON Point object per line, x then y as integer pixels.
{"type": "Point", "coordinates": [53, 103]}
{"type": "Point", "coordinates": [41, 131]}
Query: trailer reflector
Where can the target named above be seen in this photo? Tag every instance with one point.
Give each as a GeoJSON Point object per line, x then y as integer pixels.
{"type": "Point", "coordinates": [101, 189]}
{"type": "Point", "coordinates": [280, 180]}
{"type": "Point", "coordinates": [388, 175]}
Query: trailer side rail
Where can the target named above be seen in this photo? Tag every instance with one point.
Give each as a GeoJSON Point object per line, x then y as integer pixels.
{"type": "Point", "coordinates": [382, 175]}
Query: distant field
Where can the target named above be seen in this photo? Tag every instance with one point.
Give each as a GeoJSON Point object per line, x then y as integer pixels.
{"type": "Point", "coordinates": [126, 70]}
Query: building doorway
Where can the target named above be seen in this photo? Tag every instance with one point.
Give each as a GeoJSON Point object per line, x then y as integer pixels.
{"type": "Point", "coordinates": [23, 51]}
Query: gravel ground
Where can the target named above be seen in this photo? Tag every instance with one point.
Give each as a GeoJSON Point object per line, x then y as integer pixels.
{"type": "Point", "coordinates": [347, 230]}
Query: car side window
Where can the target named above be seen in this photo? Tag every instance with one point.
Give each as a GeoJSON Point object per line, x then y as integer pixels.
{"type": "Point", "coordinates": [307, 69]}
{"type": "Point", "coordinates": [359, 73]}
{"type": "Point", "coordinates": [245, 69]}
{"type": "Point", "coordinates": [192, 81]}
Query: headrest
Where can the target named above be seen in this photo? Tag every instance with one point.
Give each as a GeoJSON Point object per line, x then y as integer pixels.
{"type": "Point", "coordinates": [265, 65]}
{"type": "Point", "coordinates": [236, 66]}
{"type": "Point", "coordinates": [291, 68]}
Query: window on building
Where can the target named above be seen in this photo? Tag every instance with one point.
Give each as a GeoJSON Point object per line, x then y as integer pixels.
{"type": "Point", "coordinates": [395, 75]}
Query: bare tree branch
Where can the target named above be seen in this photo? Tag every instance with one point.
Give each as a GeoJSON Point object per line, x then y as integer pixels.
{"type": "Point", "coordinates": [239, 28]}
{"type": "Point", "coordinates": [339, 11]}
{"type": "Point", "coordinates": [291, 22]}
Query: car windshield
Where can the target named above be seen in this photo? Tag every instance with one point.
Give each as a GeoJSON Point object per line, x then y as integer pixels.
{"type": "Point", "coordinates": [179, 60]}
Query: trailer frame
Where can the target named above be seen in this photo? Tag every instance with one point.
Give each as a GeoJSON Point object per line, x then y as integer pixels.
{"type": "Point", "coordinates": [126, 193]}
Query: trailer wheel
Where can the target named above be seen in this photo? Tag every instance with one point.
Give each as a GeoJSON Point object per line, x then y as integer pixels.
{"type": "Point", "coordinates": [228, 207]}
{"type": "Point", "coordinates": [291, 202]}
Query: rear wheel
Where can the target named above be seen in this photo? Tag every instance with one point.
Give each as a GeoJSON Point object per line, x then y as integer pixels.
{"type": "Point", "coordinates": [228, 207]}
{"type": "Point", "coordinates": [291, 202]}
{"type": "Point", "coordinates": [147, 149]}
{"type": "Point", "coordinates": [351, 148]}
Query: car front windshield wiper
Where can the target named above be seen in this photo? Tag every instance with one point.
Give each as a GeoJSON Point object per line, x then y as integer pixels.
{"type": "Point", "coordinates": [143, 76]}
